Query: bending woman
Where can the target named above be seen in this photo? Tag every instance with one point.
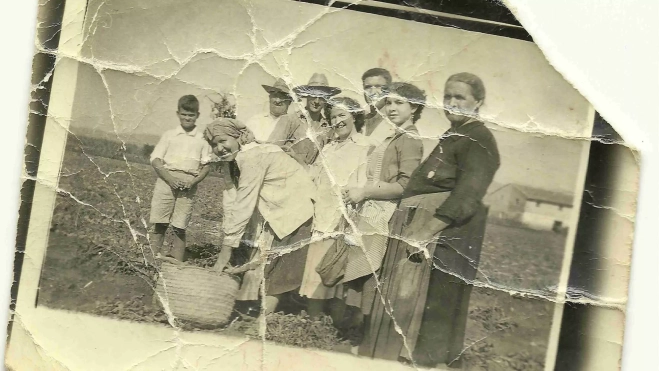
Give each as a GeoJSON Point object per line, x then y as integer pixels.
{"type": "Point", "coordinates": [389, 168]}
{"type": "Point", "coordinates": [274, 193]}
{"type": "Point", "coordinates": [426, 294]}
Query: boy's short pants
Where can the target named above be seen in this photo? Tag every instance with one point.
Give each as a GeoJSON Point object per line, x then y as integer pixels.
{"type": "Point", "coordinates": [174, 207]}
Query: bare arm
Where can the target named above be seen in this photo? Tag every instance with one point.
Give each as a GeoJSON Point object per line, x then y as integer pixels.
{"type": "Point", "coordinates": [222, 258]}
{"type": "Point", "coordinates": [203, 173]}
{"type": "Point", "coordinates": [159, 167]}
{"type": "Point", "coordinates": [238, 211]}
{"type": "Point", "coordinates": [383, 191]}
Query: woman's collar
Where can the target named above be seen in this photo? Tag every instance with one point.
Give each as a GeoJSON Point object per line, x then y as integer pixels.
{"type": "Point", "coordinates": [462, 128]}
{"type": "Point", "coordinates": [407, 126]}
{"type": "Point", "coordinates": [248, 146]}
{"type": "Point", "coordinates": [470, 120]}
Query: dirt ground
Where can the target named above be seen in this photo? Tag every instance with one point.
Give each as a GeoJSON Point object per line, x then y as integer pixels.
{"type": "Point", "coordinates": [94, 264]}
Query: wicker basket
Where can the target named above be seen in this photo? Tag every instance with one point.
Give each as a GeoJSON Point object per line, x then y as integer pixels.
{"type": "Point", "coordinates": [196, 295]}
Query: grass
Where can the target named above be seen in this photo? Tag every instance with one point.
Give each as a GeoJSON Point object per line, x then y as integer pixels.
{"type": "Point", "coordinates": [94, 264]}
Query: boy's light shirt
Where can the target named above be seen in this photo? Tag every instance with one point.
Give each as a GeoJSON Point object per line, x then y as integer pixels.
{"type": "Point", "coordinates": [183, 151]}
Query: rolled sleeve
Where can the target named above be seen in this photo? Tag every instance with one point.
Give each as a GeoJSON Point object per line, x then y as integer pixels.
{"type": "Point", "coordinates": [161, 148]}
{"type": "Point", "coordinates": [206, 154]}
{"type": "Point", "coordinates": [410, 153]}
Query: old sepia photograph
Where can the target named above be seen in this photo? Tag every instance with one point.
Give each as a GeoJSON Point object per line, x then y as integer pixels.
{"type": "Point", "coordinates": [315, 177]}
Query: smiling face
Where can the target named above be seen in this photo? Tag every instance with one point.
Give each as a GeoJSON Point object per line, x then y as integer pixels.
{"type": "Point", "coordinates": [343, 123]}
{"type": "Point", "coordinates": [399, 110]}
{"type": "Point", "coordinates": [459, 102]}
{"type": "Point", "coordinates": [279, 103]}
{"type": "Point", "coordinates": [187, 118]}
{"type": "Point", "coordinates": [225, 147]}
{"type": "Point", "coordinates": [373, 87]}
{"type": "Point", "coordinates": [315, 104]}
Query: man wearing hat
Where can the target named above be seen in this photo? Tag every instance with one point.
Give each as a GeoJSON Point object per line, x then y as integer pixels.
{"type": "Point", "coordinates": [263, 124]}
{"type": "Point", "coordinates": [291, 131]}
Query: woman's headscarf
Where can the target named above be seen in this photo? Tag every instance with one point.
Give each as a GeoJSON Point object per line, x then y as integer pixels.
{"type": "Point", "coordinates": [234, 129]}
{"type": "Point", "coordinates": [230, 127]}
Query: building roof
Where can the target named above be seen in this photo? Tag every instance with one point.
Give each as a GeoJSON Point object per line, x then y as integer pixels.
{"type": "Point", "coordinates": [542, 195]}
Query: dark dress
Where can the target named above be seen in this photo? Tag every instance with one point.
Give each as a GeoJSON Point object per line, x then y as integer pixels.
{"type": "Point", "coordinates": [429, 303]}
{"type": "Point", "coordinates": [284, 273]}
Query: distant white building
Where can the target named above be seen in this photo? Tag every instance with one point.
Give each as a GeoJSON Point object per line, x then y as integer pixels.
{"type": "Point", "coordinates": [536, 208]}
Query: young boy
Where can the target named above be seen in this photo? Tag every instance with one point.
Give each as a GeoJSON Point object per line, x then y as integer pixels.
{"type": "Point", "coordinates": [181, 159]}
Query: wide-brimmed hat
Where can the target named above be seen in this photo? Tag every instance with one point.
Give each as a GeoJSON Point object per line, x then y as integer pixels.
{"type": "Point", "coordinates": [278, 87]}
{"type": "Point", "coordinates": [318, 86]}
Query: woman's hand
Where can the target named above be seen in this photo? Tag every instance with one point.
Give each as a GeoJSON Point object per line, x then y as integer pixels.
{"type": "Point", "coordinates": [354, 195]}
{"type": "Point", "coordinates": [222, 259]}
{"type": "Point", "coordinates": [243, 268]}
{"type": "Point", "coordinates": [409, 236]}
{"type": "Point", "coordinates": [421, 235]}
{"type": "Point", "coordinates": [426, 232]}
{"type": "Point", "coordinates": [233, 270]}
{"type": "Point", "coordinates": [420, 240]}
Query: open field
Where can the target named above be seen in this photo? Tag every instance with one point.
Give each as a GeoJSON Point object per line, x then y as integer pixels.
{"type": "Point", "coordinates": [94, 264]}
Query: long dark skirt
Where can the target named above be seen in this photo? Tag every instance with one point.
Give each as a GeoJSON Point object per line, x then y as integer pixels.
{"type": "Point", "coordinates": [403, 286]}
{"type": "Point", "coordinates": [284, 273]}
{"type": "Point", "coordinates": [429, 306]}
{"type": "Point", "coordinates": [441, 337]}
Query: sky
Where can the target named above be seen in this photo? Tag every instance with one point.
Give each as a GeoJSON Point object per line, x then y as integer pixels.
{"type": "Point", "coordinates": [139, 57]}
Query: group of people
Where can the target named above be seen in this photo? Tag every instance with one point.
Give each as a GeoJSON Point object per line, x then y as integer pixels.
{"type": "Point", "coordinates": [335, 203]}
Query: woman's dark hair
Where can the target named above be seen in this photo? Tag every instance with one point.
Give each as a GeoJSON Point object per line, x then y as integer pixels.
{"type": "Point", "coordinates": [415, 96]}
{"type": "Point", "coordinates": [475, 82]}
{"type": "Point", "coordinates": [351, 105]}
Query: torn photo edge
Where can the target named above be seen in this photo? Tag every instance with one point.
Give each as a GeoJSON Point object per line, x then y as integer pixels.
{"type": "Point", "coordinates": [587, 267]}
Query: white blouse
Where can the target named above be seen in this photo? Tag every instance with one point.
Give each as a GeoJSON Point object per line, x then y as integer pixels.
{"type": "Point", "coordinates": [341, 164]}
{"type": "Point", "coordinates": [275, 184]}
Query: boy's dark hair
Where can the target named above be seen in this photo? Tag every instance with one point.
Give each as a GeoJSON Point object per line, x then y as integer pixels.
{"type": "Point", "coordinates": [377, 72]}
{"type": "Point", "coordinates": [188, 103]}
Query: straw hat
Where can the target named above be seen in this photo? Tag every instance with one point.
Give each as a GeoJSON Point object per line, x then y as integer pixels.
{"type": "Point", "coordinates": [278, 87]}
{"type": "Point", "coordinates": [318, 86]}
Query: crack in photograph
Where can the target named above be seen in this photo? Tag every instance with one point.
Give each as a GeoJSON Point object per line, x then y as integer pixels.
{"type": "Point", "coordinates": [319, 176]}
